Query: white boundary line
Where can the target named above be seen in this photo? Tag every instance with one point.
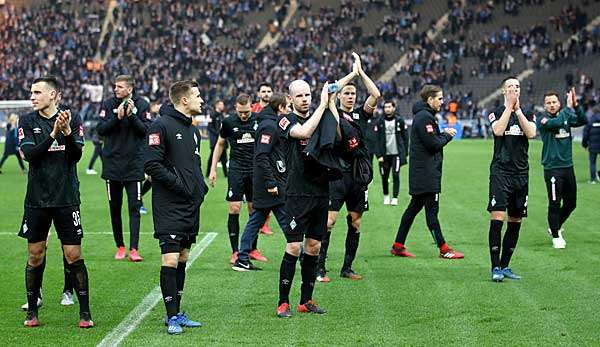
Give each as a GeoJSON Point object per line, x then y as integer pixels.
{"type": "Point", "coordinates": [133, 319]}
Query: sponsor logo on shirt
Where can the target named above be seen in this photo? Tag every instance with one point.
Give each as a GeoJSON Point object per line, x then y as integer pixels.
{"type": "Point", "coordinates": [246, 138]}
{"type": "Point", "coordinates": [284, 123]}
{"type": "Point", "coordinates": [154, 139]}
{"type": "Point", "coordinates": [266, 139]}
{"type": "Point", "coordinates": [562, 134]}
{"type": "Point", "coordinates": [352, 143]}
{"type": "Point", "coordinates": [55, 147]}
{"type": "Point", "coordinates": [514, 130]}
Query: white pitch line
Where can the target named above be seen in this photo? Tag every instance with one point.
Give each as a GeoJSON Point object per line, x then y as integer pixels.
{"type": "Point", "coordinates": [133, 319]}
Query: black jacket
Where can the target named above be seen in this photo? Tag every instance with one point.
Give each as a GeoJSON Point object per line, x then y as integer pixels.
{"type": "Point", "coordinates": [11, 144]}
{"type": "Point", "coordinates": [172, 158]}
{"type": "Point", "coordinates": [426, 151]}
{"type": "Point", "coordinates": [591, 134]}
{"type": "Point", "coordinates": [123, 140]}
{"type": "Point", "coordinates": [322, 161]}
{"type": "Point", "coordinates": [402, 139]}
{"type": "Point", "coordinates": [269, 168]}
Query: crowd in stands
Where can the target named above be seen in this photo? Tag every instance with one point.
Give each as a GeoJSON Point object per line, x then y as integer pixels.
{"type": "Point", "coordinates": [213, 41]}
{"type": "Point", "coordinates": [51, 38]}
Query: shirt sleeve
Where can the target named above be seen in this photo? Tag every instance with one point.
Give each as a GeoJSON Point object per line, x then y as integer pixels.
{"type": "Point", "coordinates": [32, 151]}
{"type": "Point", "coordinates": [225, 131]}
{"type": "Point", "coordinates": [141, 119]}
{"type": "Point", "coordinates": [266, 137]}
{"type": "Point", "coordinates": [107, 120]}
{"type": "Point", "coordinates": [427, 132]}
{"type": "Point", "coordinates": [285, 125]}
{"type": "Point", "coordinates": [75, 141]}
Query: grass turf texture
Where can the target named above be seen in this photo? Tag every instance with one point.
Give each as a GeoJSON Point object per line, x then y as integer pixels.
{"type": "Point", "coordinates": [422, 301]}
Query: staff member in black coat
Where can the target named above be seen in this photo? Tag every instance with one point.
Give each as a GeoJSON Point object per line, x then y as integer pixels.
{"type": "Point", "coordinates": [172, 159]}
{"type": "Point", "coordinates": [268, 179]}
{"type": "Point", "coordinates": [591, 142]}
{"type": "Point", "coordinates": [213, 128]}
{"type": "Point", "coordinates": [425, 172]}
{"type": "Point", "coordinates": [124, 119]}
{"type": "Point", "coordinates": [392, 149]}
{"type": "Point", "coordinates": [11, 145]}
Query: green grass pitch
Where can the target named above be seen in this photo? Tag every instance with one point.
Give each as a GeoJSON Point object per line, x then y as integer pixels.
{"type": "Point", "coordinates": [422, 301]}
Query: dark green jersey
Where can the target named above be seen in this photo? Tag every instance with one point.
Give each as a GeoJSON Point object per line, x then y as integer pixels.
{"type": "Point", "coordinates": [555, 131]}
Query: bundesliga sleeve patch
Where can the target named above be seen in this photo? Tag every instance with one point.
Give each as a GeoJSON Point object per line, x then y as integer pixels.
{"type": "Point", "coordinates": [81, 130]}
{"type": "Point", "coordinates": [21, 134]}
{"type": "Point", "coordinates": [284, 123]}
{"type": "Point", "coordinates": [148, 116]}
{"type": "Point", "coordinates": [544, 120]}
{"type": "Point", "coordinates": [154, 139]}
{"type": "Point", "coordinates": [429, 128]}
{"type": "Point", "coordinates": [102, 114]}
{"type": "Point", "coordinates": [266, 139]}
{"type": "Point", "coordinates": [492, 117]}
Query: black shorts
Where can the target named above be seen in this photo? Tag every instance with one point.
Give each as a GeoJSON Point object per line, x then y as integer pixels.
{"type": "Point", "coordinates": [509, 193]}
{"type": "Point", "coordinates": [239, 185]}
{"type": "Point", "coordinates": [67, 222]}
{"type": "Point", "coordinates": [308, 218]}
{"type": "Point", "coordinates": [175, 243]}
{"type": "Point", "coordinates": [346, 191]}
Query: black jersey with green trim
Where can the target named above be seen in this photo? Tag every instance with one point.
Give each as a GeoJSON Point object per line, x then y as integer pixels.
{"type": "Point", "coordinates": [52, 179]}
{"type": "Point", "coordinates": [299, 182]}
{"type": "Point", "coordinates": [240, 135]}
{"type": "Point", "coordinates": [510, 150]}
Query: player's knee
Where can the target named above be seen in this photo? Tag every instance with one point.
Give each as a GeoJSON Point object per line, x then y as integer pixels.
{"type": "Point", "coordinates": [312, 247]}
{"type": "Point", "coordinates": [354, 220]}
{"type": "Point", "coordinates": [498, 215]}
{"type": "Point", "coordinates": [170, 260]}
{"type": "Point", "coordinates": [293, 248]}
{"type": "Point", "coordinates": [72, 254]}
{"type": "Point", "coordinates": [514, 219]}
{"type": "Point", "coordinates": [331, 222]}
{"type": "Point", "coordinates": [35, 256]}
{"type": "Point", "coordinates": [234, 208]}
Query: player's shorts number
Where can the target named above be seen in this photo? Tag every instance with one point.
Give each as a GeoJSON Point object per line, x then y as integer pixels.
{"type": "Point", "coordinates": [76, 218]}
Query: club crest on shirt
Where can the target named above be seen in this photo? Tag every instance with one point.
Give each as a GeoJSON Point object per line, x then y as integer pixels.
{"type": "Point", "coordinates": [154, 139]}
{"type": "Point", "coordinates": [356, 115]}
{"type": "Point", "coordinates": [284, 123]}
